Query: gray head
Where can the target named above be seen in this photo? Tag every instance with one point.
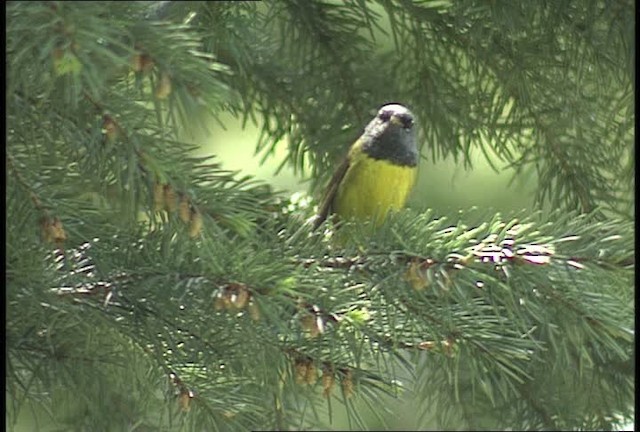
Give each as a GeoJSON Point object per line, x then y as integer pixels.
{"type": "Point", "coordinates": [391, 136]}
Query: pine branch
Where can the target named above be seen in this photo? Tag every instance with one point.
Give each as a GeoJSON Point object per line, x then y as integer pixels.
{"type": "Point", "coordinates": [147, 286]}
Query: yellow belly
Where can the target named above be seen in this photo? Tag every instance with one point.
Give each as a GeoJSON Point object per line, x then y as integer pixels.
{"type": "Point", "coordinates": [371, 188]}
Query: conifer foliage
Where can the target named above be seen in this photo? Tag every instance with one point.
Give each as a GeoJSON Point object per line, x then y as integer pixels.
{"type": "Point", "coordinates": [151, 289]}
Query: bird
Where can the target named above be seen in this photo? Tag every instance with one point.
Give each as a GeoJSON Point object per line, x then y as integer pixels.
{"type": "Point", "coordinates": [378, 172]}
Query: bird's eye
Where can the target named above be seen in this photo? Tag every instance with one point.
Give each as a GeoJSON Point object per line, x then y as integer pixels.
{"type": "Point", "coordinates": [407, 121]}
{"type": "Point", "coordinates": [384, 116]}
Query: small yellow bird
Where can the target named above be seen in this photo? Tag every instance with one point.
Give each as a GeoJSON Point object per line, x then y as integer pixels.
{"type": "Point", "coordinates": [378, 172]}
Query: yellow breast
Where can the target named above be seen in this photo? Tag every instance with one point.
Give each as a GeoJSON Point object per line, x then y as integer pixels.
{"type": "Point", "coordinates": [371, 188]}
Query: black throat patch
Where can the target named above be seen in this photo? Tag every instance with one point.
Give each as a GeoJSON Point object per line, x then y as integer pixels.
{"type": "Point", "coordinates": [391, 142]}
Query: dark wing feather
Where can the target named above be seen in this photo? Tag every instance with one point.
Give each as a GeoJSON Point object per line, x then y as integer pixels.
{"type": "Point", "coordinates": [330, 193]}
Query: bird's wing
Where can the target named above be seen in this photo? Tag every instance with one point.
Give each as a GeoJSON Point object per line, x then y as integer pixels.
{"type": "Point", "coordinates": [330, 192]}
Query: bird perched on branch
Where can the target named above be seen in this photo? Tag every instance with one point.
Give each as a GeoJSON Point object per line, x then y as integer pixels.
{"type": "Point", "coordinates": [378, 172]}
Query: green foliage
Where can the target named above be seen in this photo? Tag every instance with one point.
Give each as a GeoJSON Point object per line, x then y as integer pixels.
{"type": "Point", "coordinates": [149, 289]}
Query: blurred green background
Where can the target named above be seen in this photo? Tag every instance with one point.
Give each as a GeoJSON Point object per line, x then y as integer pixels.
{"type": "Point", "coordinates": [444, 186]}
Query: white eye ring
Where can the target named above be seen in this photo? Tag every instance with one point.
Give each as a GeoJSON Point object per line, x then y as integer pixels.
{"type": "Point", "coordinates": [384, 116]}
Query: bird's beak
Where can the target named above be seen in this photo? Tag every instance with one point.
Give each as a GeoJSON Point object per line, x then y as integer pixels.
{"type": "Point", "coordinates": [395, 120]}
